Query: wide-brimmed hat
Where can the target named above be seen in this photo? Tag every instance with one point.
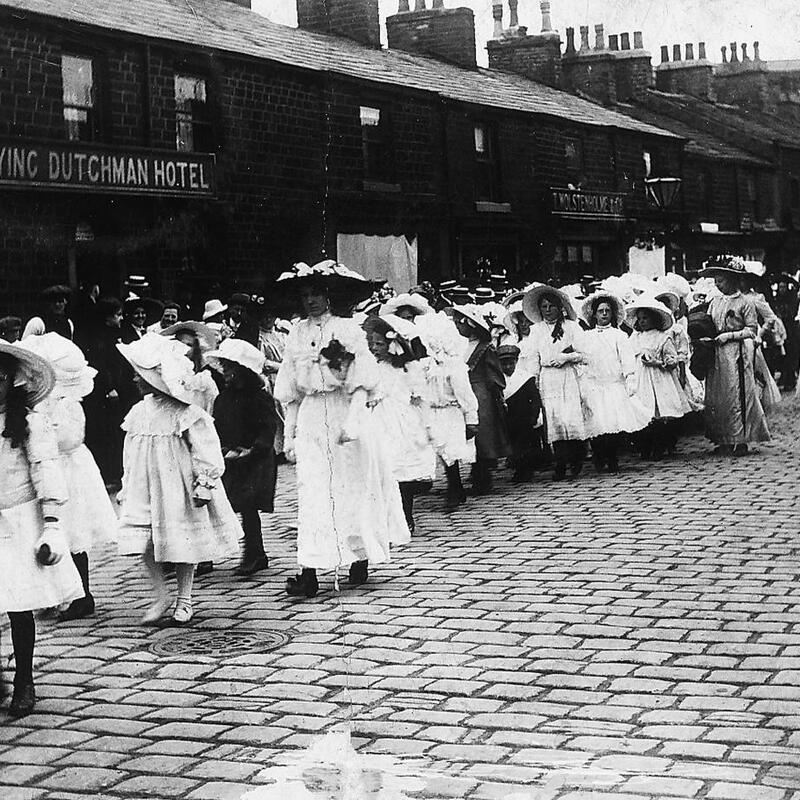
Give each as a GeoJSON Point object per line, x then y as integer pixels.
{"type": "Point", "coordinates": [530, 302]}
{"type": "Point", "coordinates": [152, 307]}
{"type": "Point", "coordinates": [404, 338]}
{"type": "Point", "coordinates": [336, 278]}
{"type": "Point", "coordinates": [207, 337]}
{"type": "Point", "coordinates": [672, 282]}
{"type": "Point", "coordinates": [59, 290]}
{"type": "Point", "coordinates": [213, 308]}
{"type": "Point", "coordinates": [240, 352]}
{"type": "Point", "coordinates": [34, 373]}
{"type": "Point", "coordinates": [727, 264]}
{"type": "Point", "coordinates": [417, 302]}
{"type": "Point", "coordinates": [589, 305]}
{"type": "Point", "coordinates": [161, 362]}
{"type": "Point", "coordinates": [650, 303]}
{"type": "Point", "coordinates": [474, 314]}
{"type": "Point", "coordinates": [670, 299]}
{"type": "Point", "coordinates": [74, 376]}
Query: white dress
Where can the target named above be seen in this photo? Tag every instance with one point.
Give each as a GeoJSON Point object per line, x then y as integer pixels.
{"type": "Point", "coordinates": [610, 370]}
{"type": "Point", "coordinates": [87, 517]}
{"type": "Point", "coordinates": [559, 377]}
{"type": "Point", "coordinates": [32, 484]}
{"type": "Point", "coordinates": [204, 390]}
{"type": "Point", "coordinates": [401, 415]}
{"type": "Point", "coordinates": [657, 385]}
{"type": "Point", "coordinates": [172, 451]}
{"type": "Point", "coordinates": [349, 506]}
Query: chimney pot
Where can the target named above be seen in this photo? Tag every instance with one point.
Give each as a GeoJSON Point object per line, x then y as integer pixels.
{"type": "Point", "coordinates": [756, 54]}
{"type": "Point", "coordinates": [514, 18]}
{"type": "Point", "coordinates": [638, 40]}
{"type": "Point", "coordinates": [402, 7]}
{"type": "Point", "coordinates": [584, 37]}
{"type": "Point", "coordinates": [438, 4]}
{"type": "Point", "coordinates": [676, 52]}
{"type": "Point", "coordinates": [547, 23]}
{"type": "Point", "coordinates": [689, 51]}
{"type": "Point", "coordinates": [745, 57]}
{"type": "Point", "coordinates": [613, 41]}
{"type": "Point", "coordinates": [724, 50]}
{"type": "Point", "coordinates": [497, 16]}
{"type": "Point", "coordinates": [570, 42]}
{"type": "Point", "coordinates": [701, 51]}
{"type": "Point", "coordinates": [734, 53]}
{"type": "Point", "coordinates": [664, 53]}
{"type": "Point", "coordinates": [625, 41]}
{"type": "Point", "coordinates": [419, 5]}
{"type": "Point", "coordinates": [599, 37]}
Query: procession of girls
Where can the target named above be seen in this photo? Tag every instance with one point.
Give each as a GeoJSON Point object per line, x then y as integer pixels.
{"type": "Point", "coordinates": [368, 405]}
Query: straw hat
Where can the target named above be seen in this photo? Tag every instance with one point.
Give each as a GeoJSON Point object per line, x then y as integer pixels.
{"type": "Point", "coordinates": [672, 282]}
{"type": "Point", "coordinates": [727, 264]}
{"type": "Point", "coordinates": [593, 300]}
{"type": "Point", "coordinates": [473, 314]}
{"type": "Point", "coordinates": [335, 277]}
{"type": "Point", "coordinates": [34, 373]}
{"type": "Point", "coordinates": [162, 363]}
{"type": "Point", "coordinates": [213, 308]}
{"type": "Point", "coordinates": [670, 299]}
{"type": "Point", "coordinates": [240, 352]}
{"type": "Point", "coordinates": [206, 335]}
{"type": "Point", "coordinates": [414, 301]}
{"type": "Point", "coordinates": [530, 302]}
{"type": "Point", "coordinates": [650, 303]}
{"type": "Point", "coordinates": [74, 376]}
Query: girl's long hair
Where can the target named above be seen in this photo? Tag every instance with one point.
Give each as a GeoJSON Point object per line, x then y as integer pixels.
{"type": "Point", "coordinates": [16, 427]}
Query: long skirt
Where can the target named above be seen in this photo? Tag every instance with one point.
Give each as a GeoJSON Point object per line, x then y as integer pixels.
{"type": "Point", "coordinates": [564, 412]}
{"type": "Point", "coordinates": [348, 501]}
{"type": "Point", "coordinates": [734, 414]}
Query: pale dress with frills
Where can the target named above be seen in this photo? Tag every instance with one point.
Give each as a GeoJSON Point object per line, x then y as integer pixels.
{"type": "Point", "coordinates": [88, 516]}
{"type": "Point", "coordinates": [32, 484]}
{"type": "Point", "coordinates": [170, 450]}
{"type": "Point", "coordinates": [611, 364]}
{"type": "Point", "coordinates": [349, 506]}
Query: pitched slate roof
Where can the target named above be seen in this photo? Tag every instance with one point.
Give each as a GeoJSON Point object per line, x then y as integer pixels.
{"type": "Point", "coordinates": [225, 26]}
{"type": "Point", "coordinates": [698, 141]}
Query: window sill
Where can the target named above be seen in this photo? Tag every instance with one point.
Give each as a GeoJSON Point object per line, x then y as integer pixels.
{"type": "Point", "coordinates": [381, 186]}
{"type": "Point", "coordinates": [488, 207]}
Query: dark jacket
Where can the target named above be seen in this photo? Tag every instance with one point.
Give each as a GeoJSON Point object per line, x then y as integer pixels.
{"type": "Point", "coordinates": [488, 382]}
{"type": "Point", "coordinates": [524, 408]}
{"type": "Point", "coordinates": [247, 419]}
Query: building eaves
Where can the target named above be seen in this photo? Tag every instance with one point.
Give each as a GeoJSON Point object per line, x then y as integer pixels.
{"type": "Point", "coordinates": [224, 26]}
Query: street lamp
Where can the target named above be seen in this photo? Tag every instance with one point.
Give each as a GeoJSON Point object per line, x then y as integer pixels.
{"type": "Point", "coordinates": [664, 192]}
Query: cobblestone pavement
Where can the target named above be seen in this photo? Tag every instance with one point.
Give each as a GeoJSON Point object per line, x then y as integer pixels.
{"type": "Point", "coordinates": [619, 637]}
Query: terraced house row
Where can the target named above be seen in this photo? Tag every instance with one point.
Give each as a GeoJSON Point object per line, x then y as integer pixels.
{"type": "Point", "coordinates": [202, 144]}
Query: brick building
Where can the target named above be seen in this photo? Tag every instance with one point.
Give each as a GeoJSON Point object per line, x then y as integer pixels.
{"type": "Point", "coordinates": [202, 144]}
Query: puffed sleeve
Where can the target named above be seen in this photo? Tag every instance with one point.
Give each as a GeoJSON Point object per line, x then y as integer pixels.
{"type": "Point", "coordinates": [206, 452]}
{"type": "Point", "coordinates": [627, 354]}
{"type": "Point", "coordinates": [530, 356]}
{"type": "Point", "coordinates": [462, 390]}
{"type": "Point", "coordinates": [363, 371]}
{"type": "Point", "coordinates": [681, 341]}
{"type": "Point", "coordinates": [669, 355]}
{"type": "Point", "coordinates": [47, 478]}
{"type": "Point", "coordinates": [35, 327]}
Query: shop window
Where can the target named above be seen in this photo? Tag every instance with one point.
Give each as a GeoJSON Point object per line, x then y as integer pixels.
{"type": "Point", "coordinates": [376, 144]}
{"type": "Point", "coordinates": [573, 160]}
{"type": "Point", "coordinates": [487, 171]}
{"type": "Point", "coordinates": [794, 193]}
{"type": "Point", "coordinates": [77, 77]}
{"type": "Point", "coordinates": [193, 129]}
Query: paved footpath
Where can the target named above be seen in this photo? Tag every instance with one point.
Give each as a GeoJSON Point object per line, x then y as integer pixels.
{"type": "Point", "coordinates": [615, 638]}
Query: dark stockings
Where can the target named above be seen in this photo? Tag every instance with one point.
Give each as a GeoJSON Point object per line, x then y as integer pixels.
{"type": "Point", "coordinates": [253, 540]}
{"type": "Point", "coordinates": [455, 489]}
{"type": "Point", "coordinates": [569, 452]}
{"type": "Point", "coordinates": [407, 493]}
{"type": "Point", "coordinates": [605, 451]}
{"type": "Point", "coordinates": [23, 636]}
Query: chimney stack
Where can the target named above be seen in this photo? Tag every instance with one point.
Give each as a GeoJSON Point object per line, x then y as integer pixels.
{"type": "Point", "coordinates": [688, 76]}
{"type": "Point", "coordinates": [547, 24]}
{"type": "Point", "coordinates": [353, 19]}
{"type": "Point", "coordinates": [689, 51]}
{"type": "Point", "coordinates": [599, 37]}
{"type": "Point", "coordinates": [447, 34]}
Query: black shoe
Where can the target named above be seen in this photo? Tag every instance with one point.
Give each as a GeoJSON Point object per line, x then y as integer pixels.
{"type": "Point", "coordinates": [454, 500]}
{"type": "Point", "coordinates": [613, 466]}
{"type": "Point", "coordinates": [740, 450]}
{"type": "Point", "coordinates": [359, 572]}
{"type": "Point", "coordinates": [303, 585]}
{"type": "Point", "coordinates": [575, 469]}
{"type": "Point", "coordinates": [78, 609]}
{"type": "Point", "coordinates": [23, 701]}
{"type": "Point", "coordinates": [521, 476]}
{"type": "Point", "coordinates": [204, 568]}
{"type": "Point", "coordinates": [560, 472]}
{"type": "Point", "coordinates": [252, 565]}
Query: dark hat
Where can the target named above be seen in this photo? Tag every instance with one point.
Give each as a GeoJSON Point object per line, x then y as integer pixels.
{"type": "Point", "coordinates": [336, 278]}
{"type": "Point", "coordinates": [508, 351]}
{"type": "Point", "coordinates": [239, 299]}
{"type": "Point", "coordinates": [732, 265]}
{"type": "Point", "coordinates": [152, 307]}
{"type": "Point", "coordinates": [59, 290]}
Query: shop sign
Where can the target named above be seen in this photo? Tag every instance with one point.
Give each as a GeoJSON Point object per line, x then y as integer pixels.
{"type": "Point", "coordinates": [582, 204]}
{"type": "Point", "coordinates": [96, 168]}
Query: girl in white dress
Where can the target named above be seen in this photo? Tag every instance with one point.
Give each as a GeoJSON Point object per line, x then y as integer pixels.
{"type": "Point", "coordinates": [349, 508]}
{"type": "Point", "coordinates": [88, 517]}
{"type": "Point", "coordinates": [399, 406]}
{"type": "Point", "coordinates": [173, 506]}
{"type": "Point", "coordinates": [36, 570]}
{"type": "Point", "coordinates": [657, 385]}
{"type": "Point", "coordinates": [554, 353]}
{"type": "Point", "coordinates": [199, 339]}
{"type": "Point", "coordinates": [610, 380]}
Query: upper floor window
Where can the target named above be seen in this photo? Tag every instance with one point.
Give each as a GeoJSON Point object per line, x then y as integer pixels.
{"type": "Point", "coordinates": [573, 160]}
{"type": "Point", "coordinates": [77, 77]}
{"type": "Point", "coordinates": [193, 129]}
{"type": "Point", "coordinates": [487, 170]}
{"type": "Point", "coordinates": [375, 143]}
{"type": "Point", "coordinates": [705, 187]}
{"type": "Point", "coordinates": [754, 196]}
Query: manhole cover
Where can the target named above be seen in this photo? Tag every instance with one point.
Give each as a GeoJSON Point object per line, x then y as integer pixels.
{"type": "Point", "coordinates": [206, 642]}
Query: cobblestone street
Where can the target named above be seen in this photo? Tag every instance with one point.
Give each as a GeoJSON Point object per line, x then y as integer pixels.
{"type": "Point", "coordinates": [620, 637]}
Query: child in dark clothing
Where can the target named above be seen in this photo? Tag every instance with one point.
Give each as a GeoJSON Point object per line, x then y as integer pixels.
{"type": "Point", "coordinates": [524, 411]}
{"type": "Point", "coordinates": [246, 420]}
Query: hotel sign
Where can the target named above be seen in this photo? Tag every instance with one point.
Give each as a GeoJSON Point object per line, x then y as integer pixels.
{"type": "Point", "coordinates": [97, 168]}
{"type": "Point", "coordinates": [581, 204]}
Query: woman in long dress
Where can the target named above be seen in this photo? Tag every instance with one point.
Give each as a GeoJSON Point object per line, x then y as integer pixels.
{"type": "Point", "coordinates": [349, 508]}
{"type": "Point", "coordinates": [734, 415]}
{"type": "Point", "coordinates": [610, 380]}
{"type": "Point", "coordinates": [554, 353]}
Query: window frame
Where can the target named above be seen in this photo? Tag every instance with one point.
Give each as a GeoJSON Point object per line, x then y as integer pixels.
{"type": "Point", "coordinates": [377, 145]}
{"type": "Point", "coordinates": [578, 177]}
{"type": "Point", "coordinates": [92, 111]}
{"type": "Point", "coordinates": [487, 163]}
{"type": "Point", "coordinates": [197, 123]}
